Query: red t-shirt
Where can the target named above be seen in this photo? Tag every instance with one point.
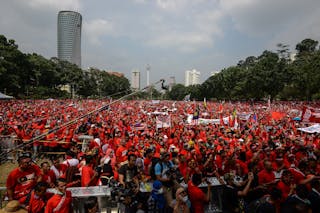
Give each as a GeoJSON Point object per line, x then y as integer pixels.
{"type": "Point", "coordinates": [297, 175]}
{"type": "Point", "coordinates": [121, 154]}
{"type": "Point", "coordinates": [87, 174]}
{"type": "Point", "coordinates": [49, 177]}
{"type": "Point", "coordinates": [22, 182]}
{"type": "Point", "coordinates": [59, 203]}
{"type": "Point", "coordinates": [36, 204]}
{"type": "Point", "coordinates": [266, 177]}
{"type": "Point", "coordinates": [285, 189]}
{"type": "Point", "coordinates": [197, 198]}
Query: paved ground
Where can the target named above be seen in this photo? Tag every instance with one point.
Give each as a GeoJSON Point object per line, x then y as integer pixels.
{"type": "Point", "coordinates": [5, 169]}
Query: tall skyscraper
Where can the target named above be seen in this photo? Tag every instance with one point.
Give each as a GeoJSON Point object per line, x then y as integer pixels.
{"type": "Point", "coordinates": [69, 37]}
{"type": "Point", "coordinates": [172, 82]}
{"type": "Point", "coordinates": [192, 77]}
{"type": "Point", "coordinates": [135, 80]}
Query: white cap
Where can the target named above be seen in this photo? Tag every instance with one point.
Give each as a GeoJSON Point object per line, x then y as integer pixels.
{"type": "Point", "coordinates": [97, 140]}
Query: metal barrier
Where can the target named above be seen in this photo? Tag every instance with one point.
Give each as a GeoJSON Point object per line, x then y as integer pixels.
{"type": "Point", "coordinates": [2, 195]}
{"type": "Point", "coordinates": [103, 193]}
{"type": "Point", "coordinates": [8, 143]}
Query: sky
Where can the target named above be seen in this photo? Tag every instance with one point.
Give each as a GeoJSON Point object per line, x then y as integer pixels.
{"type": "Point", "coordinates": [171, 36]}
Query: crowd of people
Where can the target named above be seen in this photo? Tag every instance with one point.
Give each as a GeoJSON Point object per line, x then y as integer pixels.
{"type": "Point", "coordinates": [262, 162]}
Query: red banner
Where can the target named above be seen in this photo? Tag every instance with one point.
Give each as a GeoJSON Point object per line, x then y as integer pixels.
{"type": "Point", "coordinates": [311, 115]}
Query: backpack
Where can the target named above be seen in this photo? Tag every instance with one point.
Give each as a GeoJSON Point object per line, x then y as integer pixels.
{"type": "Point", "coordinates": [154, 162]}
{"type": "Point", "coordinates": [153, 175]}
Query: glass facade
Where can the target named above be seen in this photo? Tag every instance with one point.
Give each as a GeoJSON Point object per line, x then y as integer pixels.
{"type": "Point", "coordinates": [69, 37]}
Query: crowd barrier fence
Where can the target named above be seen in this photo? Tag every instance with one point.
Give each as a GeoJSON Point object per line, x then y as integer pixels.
{"type": "Point", "coordinates": [108, 205]}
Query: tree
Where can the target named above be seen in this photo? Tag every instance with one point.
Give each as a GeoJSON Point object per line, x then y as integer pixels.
{"type": "Point", "coordinates": [178, 92]}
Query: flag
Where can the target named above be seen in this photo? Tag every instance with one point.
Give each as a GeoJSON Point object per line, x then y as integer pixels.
{"type": "Point", "coordinates": [187, 97]}
{"type": "Point", "coordinates": [277, 115]}
{"type": "Point", "coordinates": [235, 123]}
{"type": "Point", "coordinates": [205, 103]}
{"type": "Point", "coordinates": [255, 117]}
{"type": "Point", "coordinates": [220, 110]}
{"type": "Point", "coordinates": [311, 115]}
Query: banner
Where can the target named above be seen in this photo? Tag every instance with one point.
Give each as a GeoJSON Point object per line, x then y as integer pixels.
{"type": "Point", "coordinates": [243, 116]}
{"type": "Point", "coordinates": [163, 121]}
{"type": "Point", "coordinates": [311, 129]}
{"type": "Point", "coordinates": [205, 121]}
{"type": "Point", "coordinates": [310, 115]}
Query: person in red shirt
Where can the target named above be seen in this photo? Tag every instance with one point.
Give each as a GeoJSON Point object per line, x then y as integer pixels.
{"type": "Point", "coordinates": [89, 177]}
{"type": "Point", "coordinates": [122, 151]}
{"type": "Point", "coordinates": [197, 197]}
{"type": "Point", "coordinates": [266, 176]}
{"type": "Point", "coordinates": [37, 200]}
{"type": "Point", "coordinates": [286, 185]}
{"type": "Point", "coordinates": [147, 161]}
{"type": "Point", "coordinates": [58, 168]}
{"type": "Point", "coordinates": [48, 175]}
{"type": "Point", "coordinates": [61, 202]}
{"type": "Point", "coordinates": [22, 179]}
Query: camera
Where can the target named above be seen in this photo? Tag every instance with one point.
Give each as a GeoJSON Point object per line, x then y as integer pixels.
{"type": "Point", "coordinates": [174, 174]}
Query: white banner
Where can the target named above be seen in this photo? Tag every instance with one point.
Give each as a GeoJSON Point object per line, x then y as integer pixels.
{"type": "Point", "coordinates": [205, 121]}
{"type": "Point", "coordinates": [311, 129]}
{"type": "Point", "coordinates": [163, 121]}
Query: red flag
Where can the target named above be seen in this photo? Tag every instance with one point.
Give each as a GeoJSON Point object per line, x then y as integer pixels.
{"type": "Point", "coordinates": [277, 115]}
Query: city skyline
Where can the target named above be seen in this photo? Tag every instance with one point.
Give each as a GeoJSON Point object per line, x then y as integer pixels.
{"type": "Point", "coordinates": [170, 35]}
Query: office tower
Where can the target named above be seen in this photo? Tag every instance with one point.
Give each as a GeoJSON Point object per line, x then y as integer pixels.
{"type": "Point", "coordinates": [69, 37]}
{"type": "Point", "coordinates": [192, 77]}
{"type": "Point", "coordinates": [135, 80]}
{"type": "Point", "coordinates": [172, 82]}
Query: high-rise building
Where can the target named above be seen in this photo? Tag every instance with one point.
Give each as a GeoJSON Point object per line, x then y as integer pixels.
{"type": "Point", "coordinates": [192, 77]}
{"type": "Point", "coordinates": [172, 82]}
{"type": "Point", "coordinates": [69, 37]}
{"type": "Point", "coordinates": [135, 79]}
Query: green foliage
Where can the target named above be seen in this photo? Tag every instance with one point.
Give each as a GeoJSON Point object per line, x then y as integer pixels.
{"type": "Point", "coordinates": [33, 76]}
{"type": "Point", "coordinates": [270, 74]}
{"type": "Point", "coordinates": [256, 77]}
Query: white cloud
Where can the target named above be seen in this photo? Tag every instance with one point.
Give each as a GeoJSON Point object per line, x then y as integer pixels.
{"type": "Point", "coordinates": [295, 32]}
{"type": "Point", "coordinates": [261, 18]}
{"type": "Point", "coordinates": [188, 29]}
{"type": "Point", "coordinates": [96, 29]}
{"type": "Point", "coordinates": [55, 4]}
{"type": "Point", "coordinates": [170, 5]}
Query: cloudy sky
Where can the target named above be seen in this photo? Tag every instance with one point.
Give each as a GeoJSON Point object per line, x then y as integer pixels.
{"type": "Point", "coordinates": [171, 35]}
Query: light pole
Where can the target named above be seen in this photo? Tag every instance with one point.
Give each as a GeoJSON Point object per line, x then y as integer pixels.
{"type": "Point", "coordinates": [148, 73]}
{"type": "Point", "coordinates": [148, 79]}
